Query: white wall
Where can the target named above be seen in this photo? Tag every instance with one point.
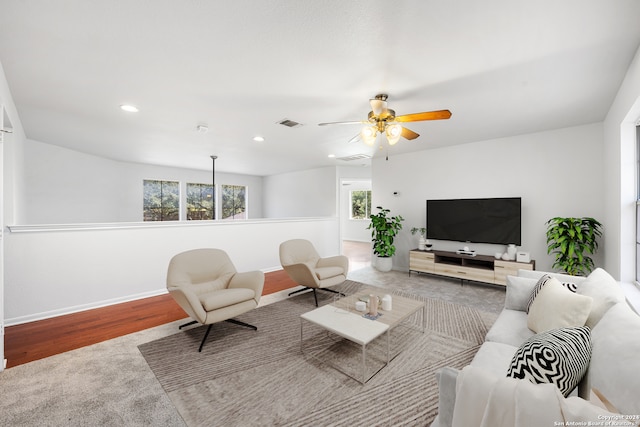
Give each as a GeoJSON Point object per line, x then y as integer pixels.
{"type": "Point", "coordinates": [12, 184]}
{"type": "Point", "coordinates": [557, 173]}
{"type": "Point", "coordinates": [619, 160]}
{"type": "Point", "coordinates": [65, 186]}
{"type": "Point", "coordinates": [51, 271]}
{"type": "Point", "coordinates": [301, 194]}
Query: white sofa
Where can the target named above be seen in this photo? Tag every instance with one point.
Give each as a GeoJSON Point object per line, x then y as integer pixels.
{"type": "Point", "coordinates": [614, 368]}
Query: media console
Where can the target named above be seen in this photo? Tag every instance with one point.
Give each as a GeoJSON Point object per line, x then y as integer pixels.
{"type": "Point", "coordinates": [478, 268]}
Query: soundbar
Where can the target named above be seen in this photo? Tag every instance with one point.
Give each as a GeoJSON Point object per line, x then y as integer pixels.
{"type": "Point", "coordinates": [466, 252]}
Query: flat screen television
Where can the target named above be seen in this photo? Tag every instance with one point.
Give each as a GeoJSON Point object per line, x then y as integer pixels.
{"type": "Point", "coordinates": [493, 220]}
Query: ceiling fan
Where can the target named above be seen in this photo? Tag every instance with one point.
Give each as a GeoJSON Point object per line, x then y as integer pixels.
{"type": "Point", "coordinates": [384, 120]}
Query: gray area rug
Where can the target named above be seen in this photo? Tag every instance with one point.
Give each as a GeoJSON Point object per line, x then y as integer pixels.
{"type": "Point", "coordinates": [245, 377]}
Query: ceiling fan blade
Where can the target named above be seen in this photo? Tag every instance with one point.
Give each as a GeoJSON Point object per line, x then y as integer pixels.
{"type": "Point", "coordinates": [408, 134]}
{"type": "Point", "coordinates": [355, 122]}
{"type": "Point", "coordinates": [427, 115]}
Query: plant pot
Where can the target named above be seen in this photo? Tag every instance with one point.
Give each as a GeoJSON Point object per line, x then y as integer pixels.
{"type": "Point", "coordinates": [384, 264]}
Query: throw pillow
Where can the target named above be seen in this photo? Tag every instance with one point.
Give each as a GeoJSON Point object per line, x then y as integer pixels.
{"type": "Point", "coordinates": [518, 292]}
{"type": "Point", "coordinates": [542, 281]}
{"type": "Point", "coordinates": [559, 356]}
{"type": "Point", "coordinates": [556, 307]}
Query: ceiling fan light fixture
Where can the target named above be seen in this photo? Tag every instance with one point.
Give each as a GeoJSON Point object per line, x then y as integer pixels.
{"type": "Point", "coordinates": [368, 134]}
{"type": "Point", "coordinates": [393, 132]}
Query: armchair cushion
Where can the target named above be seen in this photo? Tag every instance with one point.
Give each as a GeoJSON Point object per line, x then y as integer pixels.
{"type": "Point", "coordinates": [225, 297]}
{"type": "Point", "coordinates": [327, 272]}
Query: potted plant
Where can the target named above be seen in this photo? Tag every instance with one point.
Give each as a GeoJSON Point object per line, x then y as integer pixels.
{"type": "Point", "coordinates": [383, 229]}
{"type": "Point", "coordinates": [423, 236]}
{"type": "Point", "coordinates": [569, 239]}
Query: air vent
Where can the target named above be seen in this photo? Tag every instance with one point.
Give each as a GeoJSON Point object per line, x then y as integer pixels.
{"type": "Point", "coordinates": [289, 123]}
{"type": "Point", "coordinates": [355, 157]}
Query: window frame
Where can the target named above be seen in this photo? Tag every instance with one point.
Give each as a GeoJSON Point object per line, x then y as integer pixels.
{"type": "Point", "coordinates": [367, 206]}
{"type": "Point", "coordinates": [163, 214]}
{"type": "Point", "coordinates": [211, 212]}
{"type": "Point", "coordinates": [223, 199]}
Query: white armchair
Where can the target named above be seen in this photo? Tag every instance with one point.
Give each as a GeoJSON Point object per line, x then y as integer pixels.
{"type": "Point", "coordinates": [204, 282]}
{"type": "Point", "coordinates": [303, 264]}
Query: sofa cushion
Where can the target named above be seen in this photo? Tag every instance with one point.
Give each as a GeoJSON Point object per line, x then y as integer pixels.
{"type": "Point", "coordinates": [494, 357]}
{"type": "Point", "coordinates": [559, 356]}
{"type": "Point", "coordinates": [518, 292]}
{"type": "Point", "coordinates": [615, 361]}
{"type": "Point", "coordinates": [605, 292]}
{"type": "Point", "coordinates": [557, 307]}
{"type": "Point", "coordinates": [510, 328]}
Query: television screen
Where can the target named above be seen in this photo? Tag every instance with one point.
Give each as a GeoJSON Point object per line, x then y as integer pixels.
{"type": "Point", "coordinates": [495, 220]}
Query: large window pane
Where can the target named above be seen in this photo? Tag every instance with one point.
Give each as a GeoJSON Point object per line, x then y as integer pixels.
{"type": "Point", "coordinates": [161, 200]}
{"type": "Point", "coordinates": [234, 203]}
{"type": "Point", "coordinates": [200, 201]}
{"type": "Point", "coordinates": [360, 204]}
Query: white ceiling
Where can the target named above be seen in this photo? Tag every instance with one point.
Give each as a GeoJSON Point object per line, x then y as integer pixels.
{"type": "Point", "coordinates": [503, 67]}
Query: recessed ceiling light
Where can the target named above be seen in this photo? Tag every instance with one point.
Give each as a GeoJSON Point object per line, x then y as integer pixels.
{"type": "Point", "coordinates": [129, 108]}
{"type": "Point", "coordinates": [258, 138]}
{"type": "Point", "coordinates": [331, 156]}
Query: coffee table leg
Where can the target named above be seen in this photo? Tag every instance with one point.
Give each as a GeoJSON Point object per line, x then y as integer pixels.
{"type": "Point", "coordinates": [364, 363]}
{"type": "Point", "coordinates": [301, 340]}
{"type": "Point", "coordinates": [388, 345]}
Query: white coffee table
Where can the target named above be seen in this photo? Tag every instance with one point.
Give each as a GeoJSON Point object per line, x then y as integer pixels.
{"type": "Point", "coordinates": [343, 320]}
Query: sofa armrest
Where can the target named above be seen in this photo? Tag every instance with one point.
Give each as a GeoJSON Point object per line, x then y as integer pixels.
{"type": "Point", "coordinates": [446, 378]}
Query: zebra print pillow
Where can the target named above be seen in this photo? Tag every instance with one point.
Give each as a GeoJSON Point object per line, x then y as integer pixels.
{"type": "Point", "coordinates": [543, 281]}
{"type": "Point", "coordinates": [559, 356]}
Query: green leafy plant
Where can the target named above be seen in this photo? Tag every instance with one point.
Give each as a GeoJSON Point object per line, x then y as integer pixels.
{"type": "Point", "coordinates": [383, 229]}
{"type": "Point", "coordinates": [570, 239]}
{"type": "Point", "coordinates": [422, 231]}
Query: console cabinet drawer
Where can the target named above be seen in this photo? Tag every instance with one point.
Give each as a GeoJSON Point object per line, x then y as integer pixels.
{"type": "Point", "coordinates": [467, 273]}
{"type": "Point", "coordinates": [508, 268]}
{"type": "Point", "coordinates": [421, 261]}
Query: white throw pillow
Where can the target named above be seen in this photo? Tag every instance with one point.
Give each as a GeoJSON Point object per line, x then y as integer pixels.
{"type": "Point", "coordinates": [605, 291]}
{"type": "Point", "coordinates": [557, 307]}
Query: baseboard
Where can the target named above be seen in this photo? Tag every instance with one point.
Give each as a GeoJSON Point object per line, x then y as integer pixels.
{"type": "Point", "coordinates": [78, 308]}
{"type": "Point", "coordinates": [75, 309]}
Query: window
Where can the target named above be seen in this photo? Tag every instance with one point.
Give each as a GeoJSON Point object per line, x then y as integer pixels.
{"type": "Point", "coordinates": [200, 201]}
{"type": "Point", "coordinates": [161, 200]}
{"type": "Point", "coordinates": [234, 202]}
{"type": "Point", "coordinates": [360, 204]}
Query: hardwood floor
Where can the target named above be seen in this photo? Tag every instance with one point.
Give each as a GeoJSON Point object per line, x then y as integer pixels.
{"type": "Point", "coordinates": [36, 340]}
